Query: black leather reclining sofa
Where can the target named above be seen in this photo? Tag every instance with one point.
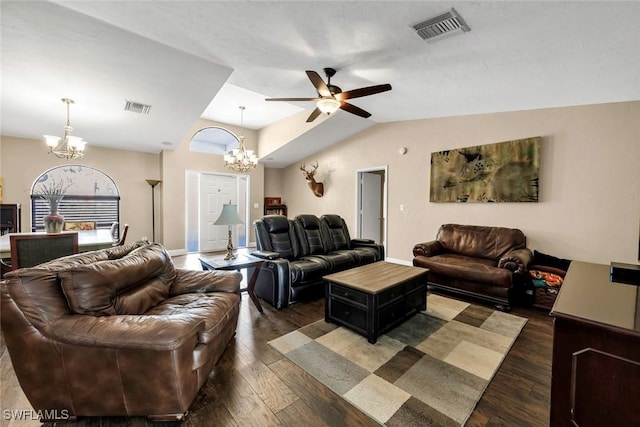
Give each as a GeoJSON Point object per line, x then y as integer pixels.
{"type": "Point", "coordinates": [301, 251]}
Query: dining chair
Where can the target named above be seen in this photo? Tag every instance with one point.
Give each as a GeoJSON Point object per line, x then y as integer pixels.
{"type": "Point", "coordinates": [32, 249]}
{"type": "Point", "coordinates": [5, 266]}
{"type": "Point", "coordinates": [123, 236]}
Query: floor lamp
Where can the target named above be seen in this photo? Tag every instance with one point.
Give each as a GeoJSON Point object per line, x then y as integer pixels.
{"type": "Point", "coordinates": [229, 216]}
{"type": "Point", "coordinates": [153, 183]}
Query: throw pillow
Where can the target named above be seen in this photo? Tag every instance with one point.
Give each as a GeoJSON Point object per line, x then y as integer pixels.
{"type": "Point", "coordinates": [540, 258]}
{"type": "Point", "coordinates": [128, 285]}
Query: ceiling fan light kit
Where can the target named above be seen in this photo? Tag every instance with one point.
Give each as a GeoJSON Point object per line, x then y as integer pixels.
{"type": "Point", "coordinates": [328, 105]}
{"type": "Point", "coordinates": [68, 147]}
{"type": "Point", "coordinates": [331, 98]}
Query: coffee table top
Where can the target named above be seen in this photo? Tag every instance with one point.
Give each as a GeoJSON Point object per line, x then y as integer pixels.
{"type": "Point", "coordinates": [377, 277]}
{"type": "Point", "coordinates": [241, 261]}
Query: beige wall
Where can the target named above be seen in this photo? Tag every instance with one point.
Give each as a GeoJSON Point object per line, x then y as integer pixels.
{"type": "Point", "coordinates": [23, 160]}
{"type": "Point", "coordinates": [175, 163]}
{"type": "Point", "coordinates": [589, 206]}
{"type": "Point", "coordinates": [274, 136]}
{"type": "Point", "coordinates": [273, 183]}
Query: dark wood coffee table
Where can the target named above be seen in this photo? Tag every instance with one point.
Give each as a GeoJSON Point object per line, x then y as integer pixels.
{"type": "Point", "coordinates": [241, 261]}
{"type": "Point", "coordinates": [375, 297]}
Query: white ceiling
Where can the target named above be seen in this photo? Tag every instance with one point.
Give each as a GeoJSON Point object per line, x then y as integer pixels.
{"type": "Point", "coordinates": [191, 59]}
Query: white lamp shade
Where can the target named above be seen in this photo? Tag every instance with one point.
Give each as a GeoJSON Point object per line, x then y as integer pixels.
{"type": "Point", "coordinates": [229, 216]}
{"type": "Point", "coordinates": [51, 141]}
{"type": "Point", "coordinates": [75, 142]}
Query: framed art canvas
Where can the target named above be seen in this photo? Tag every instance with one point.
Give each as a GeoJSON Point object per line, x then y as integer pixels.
{"type": "Point", "coordinates": [502, 172]}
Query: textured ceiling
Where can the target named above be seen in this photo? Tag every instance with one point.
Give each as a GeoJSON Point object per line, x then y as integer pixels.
{"type": "Point", "coordinates": [204, 58]}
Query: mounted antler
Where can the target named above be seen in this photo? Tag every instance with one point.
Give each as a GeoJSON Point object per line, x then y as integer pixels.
{"type": "Point", "coordinates": [316, 187]}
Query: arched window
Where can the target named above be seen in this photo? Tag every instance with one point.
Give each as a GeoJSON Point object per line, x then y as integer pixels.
{"type": "Point", "coordinates": [91, 195]}
{"type": "Point", "coordinates": [213, 140]}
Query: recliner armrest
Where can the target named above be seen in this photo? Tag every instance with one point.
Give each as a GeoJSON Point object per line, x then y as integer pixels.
{"type": "Point", "coordinates": [127, 331]}
{"type": "Point", "coordinates": [193, 281]}
{"type": "Point", "coordinates": [431, 248]}
{"type": "Point", "coordinates": [275, 279]}
{"type": "Point", "coordinates": [368, 243]}
{"type": "Point", "coordinates": [266, 254]}
{"type": "Point", "coordinates": [362, 241]}
{"type": "Point", "coordinates": [517, 260]}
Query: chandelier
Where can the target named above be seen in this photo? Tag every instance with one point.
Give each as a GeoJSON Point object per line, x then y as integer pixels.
{"type": "Point", "coordinates": [68, 147]}
{"type": "Point", "coordinates": [240, 159]}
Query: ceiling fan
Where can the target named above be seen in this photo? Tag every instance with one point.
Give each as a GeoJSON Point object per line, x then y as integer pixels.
{"type": "Point", "coordinates": [331, 97]}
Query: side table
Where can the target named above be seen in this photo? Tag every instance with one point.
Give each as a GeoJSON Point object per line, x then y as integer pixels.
{"type": "Point", "coordinates": [241, 261]}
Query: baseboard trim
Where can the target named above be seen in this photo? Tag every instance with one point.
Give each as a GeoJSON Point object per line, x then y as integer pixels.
{"type": "Point", "coordinates": [177, 252]}
{"type": "Point", "coordinates": [398, 261]}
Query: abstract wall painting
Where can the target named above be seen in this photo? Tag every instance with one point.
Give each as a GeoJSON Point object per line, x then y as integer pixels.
{"type": "Point", "coordinates": [502, 172]}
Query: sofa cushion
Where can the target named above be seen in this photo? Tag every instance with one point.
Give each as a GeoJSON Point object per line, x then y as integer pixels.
{"type": "Point", "coordinates": [466, 268]}
{"type": "Point", "coordinates": [279, 232]}
{"type": "Point", "coordinates": [480, 241]}
{"type": "Point", "coordinates": [91, 257]}
{"type": "Point", "coordinates": [367, 254]}
{"type": "Point", "coordinates": [309, 234]}
{"type": "Point", "coordinates": [540, 258]}
{"type": "Point", "coordinates": [337, 232]}
{"type": "Point", "coordinates": [339, 260]}
{"type": "Point", "coordinates": [217, 309]}
{"type": "Point", "coordinates": [309, 269]}
{"type": "Point", "coordinates": [129, 285]}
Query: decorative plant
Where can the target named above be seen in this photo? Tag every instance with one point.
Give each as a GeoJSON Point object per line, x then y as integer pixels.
{"type": "Point", "coordinates": [52, 190]}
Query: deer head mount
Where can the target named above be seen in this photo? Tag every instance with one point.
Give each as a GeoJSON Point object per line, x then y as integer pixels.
{"type": "Point", "coordinates": [316, 187]}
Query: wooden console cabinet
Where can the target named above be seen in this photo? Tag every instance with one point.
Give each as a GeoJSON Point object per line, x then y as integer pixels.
{"type": "Point", "coordinates": [9, 218]}
{"type": "Point", "coordinates": [596, 350]}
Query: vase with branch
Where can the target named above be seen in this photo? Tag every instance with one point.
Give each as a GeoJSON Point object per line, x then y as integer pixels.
{"type": "Point", "coordinates": [53, 192]}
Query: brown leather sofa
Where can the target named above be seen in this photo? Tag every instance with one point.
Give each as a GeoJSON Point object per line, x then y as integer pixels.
{"type": "Point", "coordinates": [479, 261]}
{"type": "Point", "coordinates": [116, 332]}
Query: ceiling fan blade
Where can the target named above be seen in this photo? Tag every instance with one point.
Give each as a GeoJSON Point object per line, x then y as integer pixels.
{"type": "Point", "coordinates": [318, 83]}
{"type": "Point", "coordinates": [314, 115]}
{"type": "Point", "coordinates": [292, 99]}
{"type": "Point", "coordinates": [354, 110]}
{"type": "Point", "coordinates": [365, 91]}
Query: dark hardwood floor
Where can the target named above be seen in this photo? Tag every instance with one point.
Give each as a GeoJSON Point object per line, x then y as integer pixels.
{"type": "Point", "coordinates": [253, 385]}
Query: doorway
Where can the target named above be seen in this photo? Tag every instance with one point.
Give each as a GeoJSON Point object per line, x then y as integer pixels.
{"type": "Point", "coordinates": [205, 194]}
{"type": "Point", "coordinates": [371, 197]}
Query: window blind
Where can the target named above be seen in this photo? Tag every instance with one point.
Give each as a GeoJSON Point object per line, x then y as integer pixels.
{"type": "Point", "coordinates": [104, 210]}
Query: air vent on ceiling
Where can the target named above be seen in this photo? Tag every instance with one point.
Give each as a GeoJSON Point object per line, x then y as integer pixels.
{"type": "Point", "coordinates": [137, 107]}
{"type": "Point", "coordinates": [441, 26]}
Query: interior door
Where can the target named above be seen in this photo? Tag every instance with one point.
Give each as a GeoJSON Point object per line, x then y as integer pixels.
{"type": "Point", "coordinates": [371, 206]}
{"type": "Point", "coordinates": [215, 190]}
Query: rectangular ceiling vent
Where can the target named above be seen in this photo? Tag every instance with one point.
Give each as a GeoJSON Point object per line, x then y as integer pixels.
{"type": "Point", "coordinates": [441, 26]}
{"type": "Point", "coordinates": [136, 107]}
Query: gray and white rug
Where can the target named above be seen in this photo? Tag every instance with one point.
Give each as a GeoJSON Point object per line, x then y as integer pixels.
{"type": "Point", "coordinates": [431, 370]}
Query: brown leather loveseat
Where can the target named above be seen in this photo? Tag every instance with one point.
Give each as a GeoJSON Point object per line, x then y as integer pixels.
{"type": "Point", "coordinates": [479, 261]}
{"type": "Point", "coordinates": [116, 332]}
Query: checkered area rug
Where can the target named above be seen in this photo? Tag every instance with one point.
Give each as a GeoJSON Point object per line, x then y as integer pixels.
{"type": "Point", "coordinates": [430, 370]}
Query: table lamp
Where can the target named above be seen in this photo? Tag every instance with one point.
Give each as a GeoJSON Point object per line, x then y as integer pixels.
{"type": "Point", "coordinates": [229, 216]}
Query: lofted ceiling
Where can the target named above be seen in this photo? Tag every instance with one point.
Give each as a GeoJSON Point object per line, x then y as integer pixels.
{"type": "Point", "coordinates": [191, 59]}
